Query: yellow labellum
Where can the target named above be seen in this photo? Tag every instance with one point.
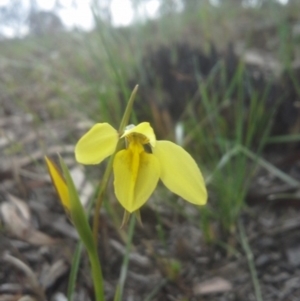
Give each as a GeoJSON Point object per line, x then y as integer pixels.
{"type": "Point", "coordinates": [136, 176]}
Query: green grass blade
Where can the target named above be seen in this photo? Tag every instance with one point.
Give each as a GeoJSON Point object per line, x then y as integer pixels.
{"type": "Point", "coordinates": [124, 268]}
{"type": "Point", "coordinates": [283, 139]}
{"type": "Point", "coordinates": [249, 255]}
{"type": "Point", "coordinates": [74, 270]}
{"type": "Point", "coordinates": [270, 167]}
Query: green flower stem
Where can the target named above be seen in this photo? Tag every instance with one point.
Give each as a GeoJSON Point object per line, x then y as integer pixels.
{"type": "Point", "coordinates": [124, 268]}
{"type": "Point", "coordinates": [80, 221]}
{"type": "Point", "coordinates": [99, 200]}
{"type": "Point", "coordinates": [116, 221]}
{"type": "Point", "coordinates": [109, 166]}
{"type": "Point", "coordinates": [126, 116]}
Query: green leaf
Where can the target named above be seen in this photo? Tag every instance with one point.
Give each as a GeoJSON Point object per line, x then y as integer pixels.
{"type": "Point", "coordinates": [77, 212]}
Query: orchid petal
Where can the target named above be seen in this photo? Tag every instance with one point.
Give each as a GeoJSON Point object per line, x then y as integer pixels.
{"type": "Point", "coordinates": [59, 184]}
{"type": "Point", "coordinates": [136, 176]}
{"type": "Point", "coordinates": [143, 129]}
{"type": "Point", "coordinates": [180, 173]}
{"type": "Point", "coordinates": [97, 144]}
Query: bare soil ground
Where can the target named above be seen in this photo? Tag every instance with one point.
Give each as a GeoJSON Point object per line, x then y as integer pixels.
{"type": "Point", "coordinates": [38, 241]}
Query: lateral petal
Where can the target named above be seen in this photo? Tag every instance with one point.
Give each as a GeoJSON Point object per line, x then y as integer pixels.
{"type": "Point", "coordinates": [135, 178]}
{"type": "Point", "coordinates": [180, 173]}
{"type": "Point", "coordinates": [97, 144]}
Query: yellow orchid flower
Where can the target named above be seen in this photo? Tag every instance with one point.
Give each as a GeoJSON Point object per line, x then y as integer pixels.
{"type": "Point", "coordinates": [144, 161]}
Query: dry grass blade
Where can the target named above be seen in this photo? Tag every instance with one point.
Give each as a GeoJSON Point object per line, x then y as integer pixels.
{"type": "Point", "coordinates": [51, 274]}
{"type": "Point", "coordinates": [212, 286]}
{"type": "Point", "coordinates": [28, 272]}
